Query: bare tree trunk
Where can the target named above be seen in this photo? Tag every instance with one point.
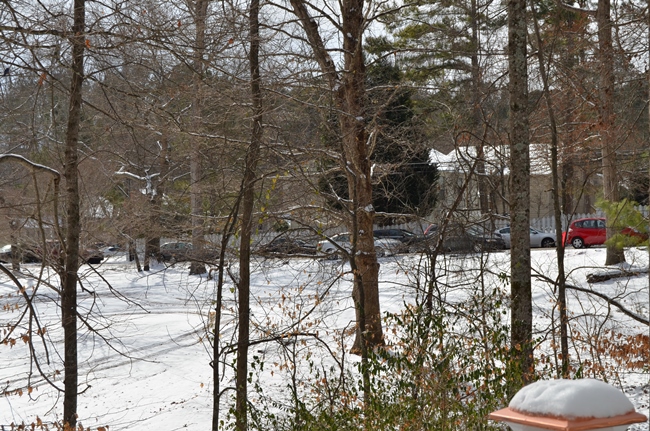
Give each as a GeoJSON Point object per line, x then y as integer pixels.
{"type": "Point", "coordinates": [557, 209]}
{"type": "Point", "coordinates": [228, 231]}
{"type": "Point", "coordinates": [151, 245]}
{"type": "Point", "coordinates": [197, 267]}
{"type": "Point", "coordinates": [348, 88]}
{"type": "Point", "coordinates": [16, 253]}
{"type": "Point", "coordinates": [521, 306]}
{"type": "Point", "coordinates": [73, 222]}
{"type": "Point", "coordinates": [357, 156]}
{"type": "Point", "coordinates": [241, 404]}
{"type": "Point", "coordinates": [133, 254]}
{"type": "Point", "coordinates": [648, 78]}
{"type": "Point", "coordinates": [481, 174]}
{"type": "Point", "coordinates": [615, 254]}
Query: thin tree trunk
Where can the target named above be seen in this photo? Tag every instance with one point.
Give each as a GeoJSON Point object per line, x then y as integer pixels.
{"type": "Point", "coordinates": [481, 174]}
{"type": "Point", "coordinates": [196, 266]}
{"type": "Point", "coordinates": [521, 305]}
{"type": "Point", "coordinates": [557, 209]}
{"type": "Point", "coordinates": [615, 254]}
{"type": "Point", "coordinates": [73, 222]}
{"type": "Point", "coordinates": [151, 245]}
{"type": "Point", "coordinates": [648, 78]}
{"type": "Point", "coordinates": [16, 252]}
{"type": "Point", "coordinates": [241, 404]}
{"type": "Point", "coordinates": [228, 231]}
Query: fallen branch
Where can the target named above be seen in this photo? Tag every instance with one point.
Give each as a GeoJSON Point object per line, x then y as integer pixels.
{"type": "Point", "coordinates": [617, 273]}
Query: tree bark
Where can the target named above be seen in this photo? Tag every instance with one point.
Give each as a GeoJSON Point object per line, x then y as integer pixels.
{"type": "Point", "coordinates": [648, 79]}
{"type": "Point", "coordinates": [228, 232]}
{"type": "Point", "coordinates": [521, 306]}
{"type": "Point", "coordinates": [248, 184]}
{"type": "Point", "coordinates": [348, 88]}
{"type": "Point", "coordinates": [557, 208]}
{"type": "Point", "coordinates": [197, 267]}
{"type": "Point", "coordinates": [615, 254]}
{"type": "Point", "coordinates": [73, 222]}
{"type": "Point", "coordinates": [481, 174]}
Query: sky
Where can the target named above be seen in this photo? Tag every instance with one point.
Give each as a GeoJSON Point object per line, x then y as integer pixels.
{"type": "Point", "coordinates": [148, 365]}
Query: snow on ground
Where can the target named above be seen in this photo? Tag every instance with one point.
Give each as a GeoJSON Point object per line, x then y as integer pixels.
{"type": "Point", "coordinates": [148, 364]}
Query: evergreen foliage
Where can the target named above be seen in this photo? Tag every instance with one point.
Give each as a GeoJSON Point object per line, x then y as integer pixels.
{"type": "Point", "coordinates": [403, 176]}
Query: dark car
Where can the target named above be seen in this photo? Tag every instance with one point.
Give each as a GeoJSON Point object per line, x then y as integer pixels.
{"type": "Point", "coordinates": [485, 240]}
{"type": "Point", "coordinates": [411, 242]}
{"type": "Point", "coordinates": [590, 231]}
{"type": "Point", "coordinates": [284, 246]}
{"type": "Point", "coordinates": [92, 255]}
{"type": "Point", "coordinates": [54, 253]}
{"type": "Point", "coordinates": [27, 254]}
{"type": "Point", "coordinates": [175, 251]}
{"type": "Point", "coordinates": [51, 255]}
{"type": "Point", "coordinates": [464, 239]}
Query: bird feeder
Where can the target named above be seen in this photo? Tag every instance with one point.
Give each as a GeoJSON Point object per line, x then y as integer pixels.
{"type": "Point", "coordinates": [569, 405]}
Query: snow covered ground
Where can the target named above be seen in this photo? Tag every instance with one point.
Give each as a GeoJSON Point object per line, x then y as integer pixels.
{"type": "Point", "coordinates": [146, 363]}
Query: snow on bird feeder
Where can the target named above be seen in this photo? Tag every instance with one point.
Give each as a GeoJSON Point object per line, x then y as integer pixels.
{"type": "Point", "coordinates": [569, 405]}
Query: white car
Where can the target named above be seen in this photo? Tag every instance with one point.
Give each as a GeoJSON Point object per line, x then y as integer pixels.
{"type": "Point", "coordinates": [537, 238]}
{"type": "Point", "coordinates": [383, 246]}
{"type": "Point", "coordinates": [112, 250]}
{"type": "Point", "coordinates": [5, 254]}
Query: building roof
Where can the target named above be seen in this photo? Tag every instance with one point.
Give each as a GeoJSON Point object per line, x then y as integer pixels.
{"type": "Point", "coordinates": [461, 159]}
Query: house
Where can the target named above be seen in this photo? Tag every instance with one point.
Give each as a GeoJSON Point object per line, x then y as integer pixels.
{"type": "Point", "coordinates": [464, 176]}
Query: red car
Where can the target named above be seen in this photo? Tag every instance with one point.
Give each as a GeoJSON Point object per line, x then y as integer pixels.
{"type": "Point", "coordinates": [586, 232]}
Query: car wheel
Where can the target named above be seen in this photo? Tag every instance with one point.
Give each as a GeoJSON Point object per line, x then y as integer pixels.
{"type": "Point", "coordinates": [380, 252]}
{"type": "Point", "coordinates": [548, 242]}
{"type": "Point", "coordinates": [577, 243]}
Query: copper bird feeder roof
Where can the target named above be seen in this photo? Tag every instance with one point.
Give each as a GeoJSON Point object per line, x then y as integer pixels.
{"type": "Point", "coordinates": [564, 424]}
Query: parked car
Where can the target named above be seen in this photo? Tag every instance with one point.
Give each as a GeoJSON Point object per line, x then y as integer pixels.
{"type": "Point", "coordinates": [586, 232]}
{"type": "Point", "coordinates": [175, 251]}
{"type": "Point", "coordinates": [457, 237]}
{"type": "Point", "coordinates": [332, 247]}
{"type": "Point", "coordinates": [111, 250]}
{"type": "Point", "coordinates": [537, 238]}
{"type": "Point", "coordinates": [285, 245]}
{"type": "Point", "coordinates": [5, 253]}
{"type": "Point", "coordinates": [28, 254]}
{"type": "Point", "coordinates": [52, 254]}
{"type": "Point", "coordinates": [409, 241]}
{"type": "Point", "coordinates": [485, 240]}
{"type": "Point", "coordinates": [431, 229]}
{"type": "Point", "coordinates": [92, 255]}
